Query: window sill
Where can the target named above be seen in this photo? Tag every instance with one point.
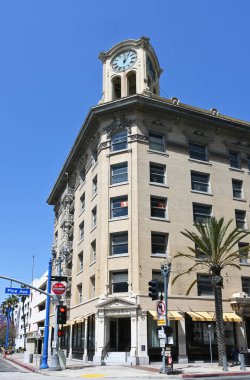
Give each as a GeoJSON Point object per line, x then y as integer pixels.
{"type": "Point", "coordinates": [116, 256]}
{"type": "Point", "coordinates": [93, 228]}
{"type": "Point", "coordinates": [159, 184]}
{"type": "Point", "coordinates": [245, 264]}
{"type": "Point", "coordinates": [236, 170]}
{"type": "Point", "coordinates": [92, 263]}
{"type": "Point", "coordinates": [239, 199]}
{"type": "Point", "coordinates": [160, 219]}
{"type": "Point", "coordinates": [159, 255]}
{"type": "Point", "coordinates": [151, 151]}
{"type": "Point", "coordinates": [82, 240]}
{"type": "Point", "coordinates": [93, 197]}
{"type": "Point", "coordinates": [116, 219]}
{"type": "Point", "coordinates": [94, 166]}
{"type": "Point", "coordinates": [82, 184]}
{"type": "Point", "coordinates": [118, 184]}
{"type": "Point", "coordinates": [81, 213]}
{"type": "Point", "coordinates": [200, 161]}
{"type": "Point", "coordinates": [118, 152]}
{"type": "Point", "coordinates": [202, 192]}
{"type": "Point", "coordinates": [80, 271]}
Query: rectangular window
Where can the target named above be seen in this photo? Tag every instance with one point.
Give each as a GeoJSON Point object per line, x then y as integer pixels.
{"type": "Point", "coordinates": [79, 291]}
{"type": "Point", "coordinates": [246, 285]}
{"type": "Point", "coordinates": [204, 285]}
{"type": "Point", "coordinates": [119, 282]}
{"type": "Point", "coordinates": [119, 243]}
{"type": "Point", "coordinates": [200, 182]}
{"type": "Point", "coordinates": [81, 231]}
{"type": "Point", "coordinates": [156, 142]}
{"type": "Point", "coordinates": [92, 286]}
{"type": "Point", "coordinates": [119, 173]}
{"type": "Point", "coordinates": [94, 186]}
{"type": "Point", "coordinates": [93, 250]}
{"type": "Point", "coordinates": [82, 202]}
{"type": "Point", "coordinates": [159, 243]}
{"type": "Point", "coordinates": [240, 218]}
{"type": "Point", "coordinates": [119, 207]}
{"type": "Point", "coordinates": [234, 159]}
{"type": "Point", "coordinates": [237, 189]}
{"type": "Point", "coordinates": [157, 173]}
{"type": "Point", "coordinates": [244, 249]}
{"type": "Point", "coordinates": [94, 217]}
{"type": "Point", "coordinates": [201, 212]}
{"type": "Point", "coordinates": [80, 262]}
{"type": "Point", "coordinates": [198, 152]}
{"type": "Point", "coordinates": [159, 207]}
{"type": "Point", "coordinates": [83, 175]}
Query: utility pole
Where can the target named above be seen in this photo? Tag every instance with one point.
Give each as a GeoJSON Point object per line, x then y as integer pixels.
{"type": "Point", "coordinates": [44, 363]}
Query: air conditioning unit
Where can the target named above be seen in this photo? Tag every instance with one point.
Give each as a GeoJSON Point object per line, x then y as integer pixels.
{"type": "Point", "coordinates": [240, 295]}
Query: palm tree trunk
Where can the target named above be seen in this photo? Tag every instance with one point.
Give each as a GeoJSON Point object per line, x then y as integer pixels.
{"type": "Point", "coordinates": [220, 330]}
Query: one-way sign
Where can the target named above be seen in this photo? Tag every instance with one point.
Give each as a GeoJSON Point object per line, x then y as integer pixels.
{"type": "Point", "coordinates": [18, 291]}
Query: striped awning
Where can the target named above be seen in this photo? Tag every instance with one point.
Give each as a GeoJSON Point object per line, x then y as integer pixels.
{"type": "Point", "coordinates": [172, 315]}
{"type": "Point", "coordinates": [203, 316]}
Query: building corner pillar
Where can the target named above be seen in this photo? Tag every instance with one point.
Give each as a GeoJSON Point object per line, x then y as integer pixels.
{"type": "Point", "coordinates": [182, 357]}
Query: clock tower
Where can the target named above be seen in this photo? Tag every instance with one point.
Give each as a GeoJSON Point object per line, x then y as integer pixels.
{"type": "Point", "coordinates": [130, 67]}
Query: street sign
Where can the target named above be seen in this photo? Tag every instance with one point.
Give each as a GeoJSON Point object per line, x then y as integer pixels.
{"type": "Point", "coordinates": [160, 308]}
{"type": "Point", "coordinates": [162, 342]}
{"type": "Point", "coordinates": [58, 288]}
{"type": "Point", "coordinates": [18, 291]}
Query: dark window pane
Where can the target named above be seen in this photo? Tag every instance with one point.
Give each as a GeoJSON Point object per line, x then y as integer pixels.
{"type": "Point", "coordinates": [237, 188]}
{"type": "Point", "coordinates": [234, 159]}
{"type": "Point", "coordinates": [119, 207]}
{"type": "Point", "coordinates": [159, 244]}
{"type": "Point", "coordinates": [200, 182]}
{"type": "Point", "coordinates": [119, 141]}
{"type": "Point", "coordinates": [204, 285]}
{"type": "Point", "coordinates": [240, 218]}
{"type": "Point", "coordinates": [246, 285]}
{"type": "Point", "coordinates": [156, 142]}
{"type": "Point", "coordinates": [119, 243]}
{"type": "Point", "coordinates": [119, 173]}
{"type": "Point", "coordinates": [157, 173]}
{"type": "Point", "coordinates": [198, 152]}
{"type": "Point", "coordinates": [201, 212]}
{"type": "Point", "coordinates": [158, 208]}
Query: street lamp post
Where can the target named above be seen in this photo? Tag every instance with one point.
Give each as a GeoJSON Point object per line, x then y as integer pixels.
{"type": "Point", "coordinates": [165, 272]}
{"type": "Point", "coordinates": [44, 363]}
{"type": "Point", "coordinates": [7, 327]}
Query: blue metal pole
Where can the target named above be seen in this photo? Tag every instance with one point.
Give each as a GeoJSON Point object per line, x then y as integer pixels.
{"type": "Point", "coordinates": [7, 328]}
{"type": "Point", "coordinates": [44, 363]}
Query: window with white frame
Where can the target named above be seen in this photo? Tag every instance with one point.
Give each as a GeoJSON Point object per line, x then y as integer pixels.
{"type": "Point", "coordinates": [92, 286]}
{"type": "Point", "coordinates": [81, 231]}
{"type": "Point", "coordinates": [80, 262]}
{"type": "Point", "coordinates": [119, 281]}
{"type": "Point", "coordinates": [158, 207]}
{"type": "Point", "coordinates": [237, 186]}
{"type": "Point", "coordinates": [246, 285]}
{"type": "Point", "coordinates": [198, 151]}
{"type": "Point", "coordinates": [243, 252]}
{"type": "Point", "coordinates": [200, 182]}
{"type": "Point", "coordinates": [94, 185]}
{"type": "Point", "coordinates": [79, 293]}
{"type": "Point", "coordinates": [240, 219]}
{"type": "Point", "coordinates": [119, 243]}
{"type": "Point", "coordinates": [204, 285]}
{"type": "Point", "coordinates": [234, 159]}
{"type": "Point", "coordinates": [119, 141]}
{"type": "Point", "coordinates": [94, 217]}
{"type": "Point", "coordinates": [93, 250]}
{"type": "Point", "coordinates": [159, 242]}
{"type": "Point", "coordinates": [119, 173]}
{"type": "Point", "coordinates": [156, 142]}
{"type": "Point", "coordinates": [119, 207]}
{"type": "Point", "coordinates": [82, 202]}
{"type": "Point", "coordinates": [157, 173]}
{"type": "Point", "coordinates": [201, 212]}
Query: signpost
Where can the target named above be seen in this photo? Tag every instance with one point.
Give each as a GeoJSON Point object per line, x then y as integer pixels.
{"type": "Point", "coordinates": [18, 291]}
{"type": "Point", "coordinates": [161, 315]}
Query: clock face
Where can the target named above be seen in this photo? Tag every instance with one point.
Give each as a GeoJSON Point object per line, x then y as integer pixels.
{"type": "Point", "coordinates": [124, 60]}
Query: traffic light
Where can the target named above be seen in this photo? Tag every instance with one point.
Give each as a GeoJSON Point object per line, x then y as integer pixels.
{"type": "Point", "coordinates": [61, 332]}
{"type": "Point", "coordinates": [61, 315]}
{"type": "Point", "coordinates": [153, 289]}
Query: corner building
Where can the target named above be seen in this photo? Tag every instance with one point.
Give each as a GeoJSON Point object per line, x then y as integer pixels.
{"type": "Point", "coordinates": [142, 169]}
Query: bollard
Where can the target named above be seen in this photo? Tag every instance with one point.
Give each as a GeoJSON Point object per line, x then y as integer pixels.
{"type": "Point", "coordinates": [242, 362]}
{"type": "Point", "coordinates": [224, 359]}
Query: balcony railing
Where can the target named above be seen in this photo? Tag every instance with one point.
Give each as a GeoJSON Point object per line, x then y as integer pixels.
{"type": "Point", "coordinates": [67, 218]}
{"type": "Point", "coordinates": [68, 193]}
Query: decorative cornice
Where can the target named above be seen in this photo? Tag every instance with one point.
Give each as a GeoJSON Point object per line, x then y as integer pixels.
{"type": "Point", "coordinates": [157, 123]}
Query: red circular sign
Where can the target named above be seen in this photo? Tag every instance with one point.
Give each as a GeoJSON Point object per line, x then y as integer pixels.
{"type": "Point", "coordinates": [58, 288]}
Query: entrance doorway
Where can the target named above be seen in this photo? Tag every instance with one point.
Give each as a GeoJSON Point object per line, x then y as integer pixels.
{"type": "Point", "coordinates": [120, 334]}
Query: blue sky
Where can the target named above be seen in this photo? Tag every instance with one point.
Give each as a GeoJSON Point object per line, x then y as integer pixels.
{"type": "Point", "coordinates": [50, 76]}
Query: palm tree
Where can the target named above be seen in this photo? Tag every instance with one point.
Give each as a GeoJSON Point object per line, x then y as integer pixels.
{"type": "Point", "coordinates": [217, 246]}
{"type": "Point", "coordinates": [12, 301]}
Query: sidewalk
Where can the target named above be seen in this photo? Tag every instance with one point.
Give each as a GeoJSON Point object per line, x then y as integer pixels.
{"type": "Point", "coordinates": [76, 368]}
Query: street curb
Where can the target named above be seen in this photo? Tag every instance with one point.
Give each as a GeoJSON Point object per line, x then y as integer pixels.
{"type": "Point", "coordinates": [24, 365]}
{"type": "Point", "coordinates": [214, 374]}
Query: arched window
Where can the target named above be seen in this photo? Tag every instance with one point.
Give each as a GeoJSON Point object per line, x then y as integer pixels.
{"type": "Point", "coordinates": [131, 78]}
{"type": "Point", "coordinates": [116, 88]}
{"type": "Point", "coordinates": [119, 141]}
